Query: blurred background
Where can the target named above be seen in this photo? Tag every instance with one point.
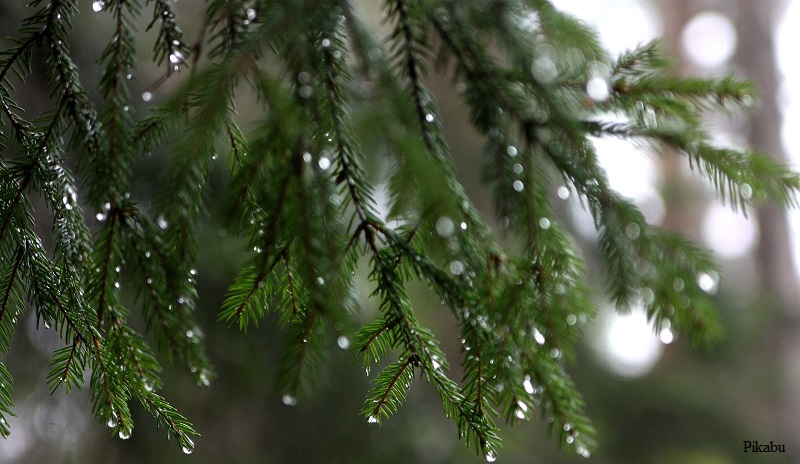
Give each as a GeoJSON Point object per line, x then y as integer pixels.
{"type": "Point", "coordinates": [654, 400]}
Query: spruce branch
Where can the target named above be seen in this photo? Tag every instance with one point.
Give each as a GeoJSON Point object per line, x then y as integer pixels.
{"type": "Point", "coordinates": [343, 113]}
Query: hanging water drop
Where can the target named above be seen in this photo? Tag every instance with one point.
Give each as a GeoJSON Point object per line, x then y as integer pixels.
{"type": "Point", "coordinates": [187, 450]}
{"type": "Point", "coordinates": [563, 192]}
{"type": "Point", "coordinates": [324, 163]}
{"type": "Point", "coordinates": [124, 434]}
{"type": "Point", "coordinates": [176, 57]}
{"type": "Point", "coordinates": [528, 385]}
{"type": "Point", "coordinates": [544, 223]}
{"type": "Point", "coordinates": [326, 43]}
{"type": "Point", "coordinates": [518, 185]}
{"type": "Point", "coordinates": [251, 14]}
{"type": "Point", "coordinates": [445, 226]}
{"type": "Point", "coordinates": [147, 96]}
{"type": "Point", "coordinates": [98, 6]}
{"type": "Point", "coordinates": [597, 89]}
{"type": "Point", "coordinates": [491, 457]}
{"type": "Point", "coordinates": [372, 420]}
{"type": "Point", "coordinates": [112, 421]}
{"type": "Point", "coordinates": [538, 336]}
{"type": "Point", "coordinates": [100, 216]}
{"type": "Point", "coordinates": [289, 400]}
{"type": "Point", "coordinates": [343, 342]}
{"type": "Point", "coordinates": [512, 151]}
{"type": "Point", "coordinates": [162, 222]}
{"type": "Point", "coordinates": [429, 117]}
{"type": "Point", "coordinates": [708, 282]}
{"type": "Point", "coordinates": [457, 267]}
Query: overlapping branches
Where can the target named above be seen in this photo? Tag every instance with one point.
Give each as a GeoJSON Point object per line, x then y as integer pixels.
{"type": "Point", "coordinates": [344, 115]}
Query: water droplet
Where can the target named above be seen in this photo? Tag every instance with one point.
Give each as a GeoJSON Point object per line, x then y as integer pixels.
{"type": "Point", "coordinates": [708, 282]}
{"type": "Point", "coordinates": [289, 400]}
{"type": "Point", "coordinates": [581, 450]}
{"type": "Point", "coordinates": [666, 336]}
{"type": "Point", "coordinates": [149, 281]}
{"type": "Point", "coordinates": [512, 151]}
{"type": "Point", "coordinates": [176, 57]}
{"type": "Point", "coordinates": [251, 14]}
{"type": "Point", "coordinates": [193, 271]}
{"type": "Point", "coordinates": [148, 386]}
{"type": "Point", "coordinates": [528, 385]}
{"type": "Point", "coordinates": [100, 216]}
{"type": "Point", "coordinates": [569, 439]}
{"type": "Point", "coordinates": [555, 353]}
{"type": "Point", "coordinates": [124, 434]}
{"type": "Point", "coordinates": [112, 421]}
{"type": "Point", "coordinates": [116, 284]}
{"type": "Point", "coordinates": [147, 96]}
{"type": "Point", "coordinates": [491, 457]}
{"type": "Point", "coordinates": [326, 43]}
{"type": "Point", "coordinates": [563, 192]}
{"type": "Point", "coordinates": [632, 231]}
{"type": "Point", "coordinates": [538, 336]}
{"type": "Point", "coordinates": [204, 379]}
{"type": "Point", "coordinates": [678, 284]}
{"type": "Point", "coordinates": [518, 185]}
{"type": "Point", "coordinates": [320, 281]}
{"type": "Point", "coordinates": [187, 449]}
{"type": "Point", "coordinates": [463, 226]}
{"type": "Point", "coordinates": [372, 420]}
{"type": "Point", "coordinates": [445, 226]}
{"type": "Point", "coordinates": [571, 319]}
{"type": "Point", "coordinates": [98, 6]}
{"type": "Point", "coordinates": [162, 222]}
{"type": "Point", "coordinates": [746, 191]}
{"type": "Point", "coordinates": [457, 267]}
{"type": "Point", "coordinates": [343, 342]}
{"type": "Point", "coordinates": [597, 89]}
{"type": "Point", "coordinates": [307, 157]}
{"type": "Point", "coordinates": [324, 163]}
{"type": "Point", "coordinates": [544, 71]}
{"type": "Point", "coordinates": [430, 117]}
{"type": "Point", "coordinates": [544, 223]}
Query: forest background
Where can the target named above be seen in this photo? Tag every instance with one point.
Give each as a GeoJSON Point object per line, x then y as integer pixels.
{"type": "Point", "coordinates": [653, 400]}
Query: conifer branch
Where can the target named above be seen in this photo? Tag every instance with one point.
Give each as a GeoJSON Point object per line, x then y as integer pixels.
{"type": "Point", "coordinates": [300, 193]}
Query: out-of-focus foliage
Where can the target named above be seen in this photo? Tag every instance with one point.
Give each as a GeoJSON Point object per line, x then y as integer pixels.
{"type": "Point", "coordinates": [300, 191]}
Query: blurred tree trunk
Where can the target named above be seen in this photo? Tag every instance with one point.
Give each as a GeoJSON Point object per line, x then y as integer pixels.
{"type": "Point", "coordinates": [685, 197]}
{"type": "Point", "coordinates": [756, 21]}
